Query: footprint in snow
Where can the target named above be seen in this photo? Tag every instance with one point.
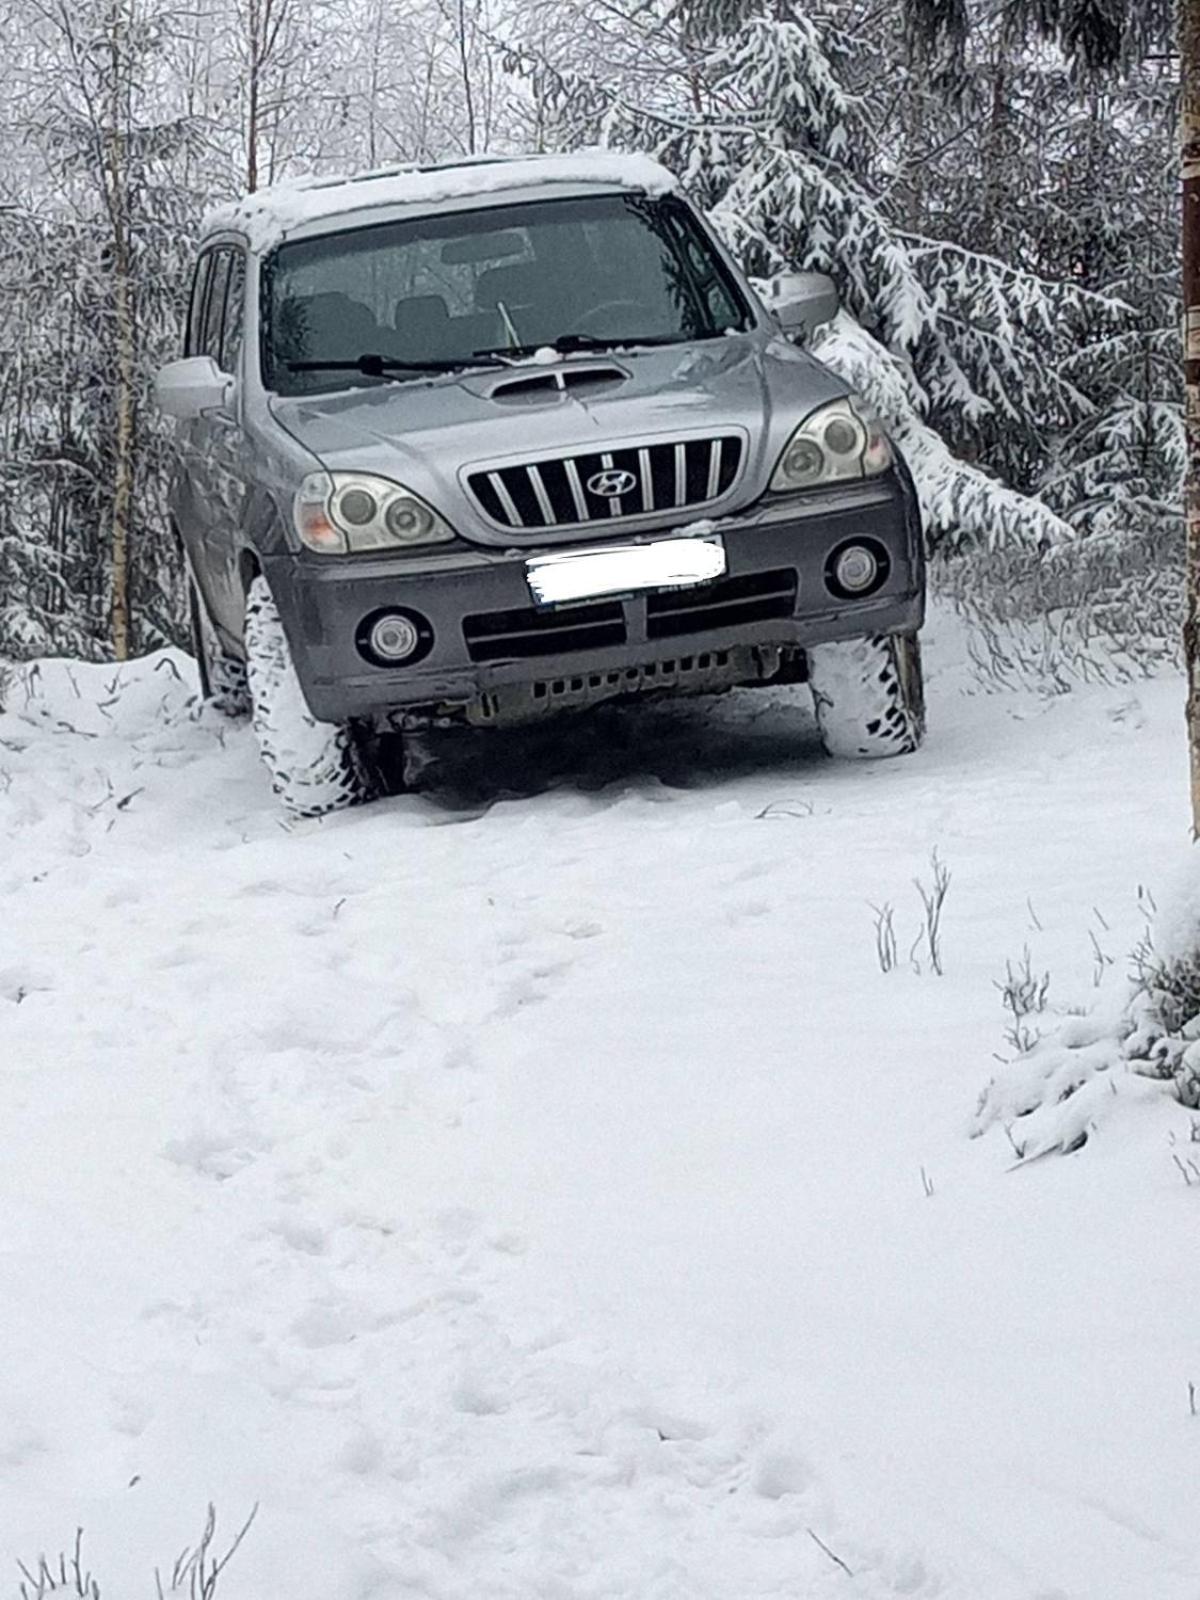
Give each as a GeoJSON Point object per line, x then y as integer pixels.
{"type": "Point", "coordinates": [746, 910]}
{"type": "Point", "coordinates": [307, 1238]}
{"type": "Point", "coordinates": [473, 1396]}
{"type": "Point", "coordinates": [211, 1155]}
{"type": "Point", "coordinates": [19, 1441]}
{"type": "Point", "coordinates": [361, 1453]}
{"type": "Point", "coordinates": [781, 1472]}
{"type": "Point", "coordinates": [321, 1326]}
{"type": "Point", "coordinates": [18, 983]}
{"type": "Point", "coordinates": [457, 1228]}
{"type": "Point", "coordinates": [460, 1057]}
{"type": "Point", "coordinates": [508, 1243]}
{"type": "Point", "coordinates": [531, 988]}
{"type": "Point", "coordinates": [324, 1324]}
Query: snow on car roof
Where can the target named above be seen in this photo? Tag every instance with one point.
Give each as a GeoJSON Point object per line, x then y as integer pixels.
{"type": "Point", "coordinates": [269, 214]}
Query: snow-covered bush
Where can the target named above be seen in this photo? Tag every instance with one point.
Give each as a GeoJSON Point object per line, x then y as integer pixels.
{"type": "Point", "coordinates": [1050, 1096]}
{"type": "Point", "coordinates": [1106, 609]}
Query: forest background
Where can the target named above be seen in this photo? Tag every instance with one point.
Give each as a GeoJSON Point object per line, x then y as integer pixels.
{"type": "Point", "coordinates": [992, 183]}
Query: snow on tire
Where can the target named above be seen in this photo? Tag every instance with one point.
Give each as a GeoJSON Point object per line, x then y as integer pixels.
{"type": "Point", "coordinates": [314, 766]}
{"type": "Point", "coordinates": [869, 695]}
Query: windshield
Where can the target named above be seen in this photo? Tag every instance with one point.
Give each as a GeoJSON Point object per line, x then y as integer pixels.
{"type": "Point", "coordinates": [445, 291]}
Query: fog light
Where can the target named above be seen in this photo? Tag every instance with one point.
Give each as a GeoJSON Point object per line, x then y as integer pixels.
{"type": "Point", "coordinates": [393, 638]}
{"type": "Point", "coordinates": [856, 569]}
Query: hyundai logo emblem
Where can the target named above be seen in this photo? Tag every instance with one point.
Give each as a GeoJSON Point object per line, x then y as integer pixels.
{"type": "Point", "coordinates": [611, 483]}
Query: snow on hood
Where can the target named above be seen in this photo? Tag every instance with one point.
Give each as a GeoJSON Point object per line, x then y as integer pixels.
{"type": "Point", "coordinates": [268, 214]}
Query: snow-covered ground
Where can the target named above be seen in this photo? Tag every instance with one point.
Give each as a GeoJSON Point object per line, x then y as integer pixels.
{"type": "Point", "coordinates": [533, 1189]}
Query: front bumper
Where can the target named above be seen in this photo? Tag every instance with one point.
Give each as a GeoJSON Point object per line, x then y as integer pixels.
{"type": "Point", "coordinates": [487, 637]}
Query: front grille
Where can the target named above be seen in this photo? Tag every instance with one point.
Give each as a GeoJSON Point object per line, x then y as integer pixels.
{"type": "Point", "coordinates": [516, 635]}
{"type": "Point", "coordinates": [555, 493]}
{"type": "Point", "coordinates": [758, 597]}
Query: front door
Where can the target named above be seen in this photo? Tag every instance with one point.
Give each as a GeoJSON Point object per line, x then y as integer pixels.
{"type": "Point", "coordinates": [213, 489]}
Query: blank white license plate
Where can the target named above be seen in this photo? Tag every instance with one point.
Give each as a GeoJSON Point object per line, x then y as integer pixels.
{"type": "Point", "coordinates": [558, 580]}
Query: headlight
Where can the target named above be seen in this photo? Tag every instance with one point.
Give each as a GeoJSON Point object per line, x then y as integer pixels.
{"type": "Point", "coordinates": [842, 440]}
{"type": "Point", "coordinates": [339, 513]}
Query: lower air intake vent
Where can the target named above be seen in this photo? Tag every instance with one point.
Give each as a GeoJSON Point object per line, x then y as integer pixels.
{"type": "Point", "coordinates": [517, 635]}
{"type": "Point", "coordinates": [759, 597]}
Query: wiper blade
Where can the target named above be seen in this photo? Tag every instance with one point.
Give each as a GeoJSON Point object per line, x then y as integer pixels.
{"type": "Point", "coordinates": [592, 341]}
{"type": "Point", "coordinates": [373, 366]}
{"type": "Point", "coordinates": [567, 343]}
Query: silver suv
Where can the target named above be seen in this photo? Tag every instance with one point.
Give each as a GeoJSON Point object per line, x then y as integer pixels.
{"type": "Point", "coordinates": [487, 442]}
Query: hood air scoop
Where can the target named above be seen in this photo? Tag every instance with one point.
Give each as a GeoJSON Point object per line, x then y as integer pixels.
{"type": "Point", "coordinates": [555, 382]}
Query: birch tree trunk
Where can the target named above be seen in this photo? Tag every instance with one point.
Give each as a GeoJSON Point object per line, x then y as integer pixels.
{"type": "Point", "coordinates": [123, 466]}
{"type": "Point", "coordinates": [1189, 138]}
{"type": "Point", "coordinates": [464, 58]}
{"type": "Point", "coordinates": [253, 69]}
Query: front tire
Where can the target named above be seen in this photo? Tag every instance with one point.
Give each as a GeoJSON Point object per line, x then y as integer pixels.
{"type": "Point", "coordinates": [315, 767]}
{"type": "Point", "coordinates": [869, 696]}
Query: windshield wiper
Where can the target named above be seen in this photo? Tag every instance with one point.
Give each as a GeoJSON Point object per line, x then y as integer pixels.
{"type": "Point", "coordinates": [373, 366]}
{"type": "Point", "coordinates": [567, 343]}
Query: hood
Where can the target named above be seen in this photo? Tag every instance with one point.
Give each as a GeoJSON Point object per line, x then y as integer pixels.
{"type": "Point", "coordinates": [429, 434]}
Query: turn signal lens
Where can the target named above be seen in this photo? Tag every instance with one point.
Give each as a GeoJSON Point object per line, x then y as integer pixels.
{"type": "Point", "coordinates": [310, 512]}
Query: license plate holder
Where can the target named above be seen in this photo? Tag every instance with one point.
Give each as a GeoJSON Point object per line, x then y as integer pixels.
{"type": "Point", "coordinates": [613, 572]}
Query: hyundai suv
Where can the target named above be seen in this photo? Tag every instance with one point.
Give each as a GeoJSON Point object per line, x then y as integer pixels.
{"type": "Point", "coordinates": [488, 442]}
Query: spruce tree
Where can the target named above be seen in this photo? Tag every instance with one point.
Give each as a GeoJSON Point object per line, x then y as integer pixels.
{"type": "Point", "coordinates": [966, 356]}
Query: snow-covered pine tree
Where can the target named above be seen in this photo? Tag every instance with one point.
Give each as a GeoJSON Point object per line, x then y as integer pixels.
{"type": "Point", "coordinates": [750, 101]}
{"type": "Point", "coordinates": [1069, 174]}
{"type": "Point", "coordinates": [1095, 34]}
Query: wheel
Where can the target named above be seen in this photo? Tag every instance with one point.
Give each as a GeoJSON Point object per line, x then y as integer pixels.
{"type": "Point", "coordinates": [314, 766]}
{"type": "Point", "coordinates": [869, 695]}
{"type": "Point", "coordinates": [222, 676]}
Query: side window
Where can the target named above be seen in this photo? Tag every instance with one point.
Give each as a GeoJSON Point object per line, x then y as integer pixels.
{"type": "Point", "coordinates": [708, 278]}
{"type": "Point", "coordinates": [195, 323]}
{"type": "Point", "coordinates": [214, 311]}
{"type": "Point", "coordinates": [235, 314]}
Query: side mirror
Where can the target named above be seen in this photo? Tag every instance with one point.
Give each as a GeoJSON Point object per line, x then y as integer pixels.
{"type": "Point", "coordinates": [801, 301]}
{"type": "Point", "coordinates": [188, 389]}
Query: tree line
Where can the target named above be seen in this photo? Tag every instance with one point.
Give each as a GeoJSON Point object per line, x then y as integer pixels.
{"type": "Point", "coordinates": [993, 187]}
